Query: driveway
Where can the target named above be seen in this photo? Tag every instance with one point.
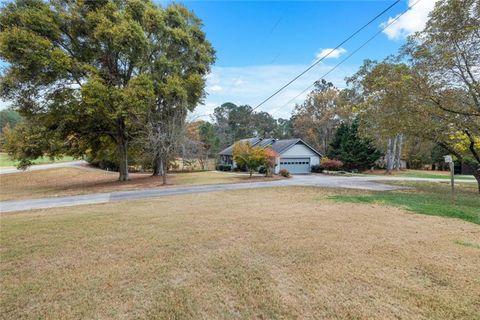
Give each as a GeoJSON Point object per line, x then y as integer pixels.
{"type": "Point", "coordinates": [356, 182]}
{"type": "Point", "coordinates": [307, 180]}
{"type": "Point", "coordinates": [4, 170]}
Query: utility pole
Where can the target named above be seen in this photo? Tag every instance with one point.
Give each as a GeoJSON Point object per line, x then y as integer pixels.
{"type": "Point", "coordinates": [449, 160]}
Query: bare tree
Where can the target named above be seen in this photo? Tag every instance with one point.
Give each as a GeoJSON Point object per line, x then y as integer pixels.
{"type": "Point", "coordinates": [164, 134]}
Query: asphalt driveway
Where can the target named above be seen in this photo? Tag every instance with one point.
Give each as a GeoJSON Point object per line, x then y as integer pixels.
{"type": "Point", "coordinates": [303, 180]}
{"type": "Point", "coordinates": [372, 183]}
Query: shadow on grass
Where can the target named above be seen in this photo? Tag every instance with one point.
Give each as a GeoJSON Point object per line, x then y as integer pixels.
{"type": "Point", "coordinates": [425, 199]}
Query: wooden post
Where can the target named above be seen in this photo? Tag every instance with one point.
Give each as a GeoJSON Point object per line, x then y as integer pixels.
{"type": "Point", "coordinates": [449, 160]}
{"type": "Point", "coordinates": [452, 172]}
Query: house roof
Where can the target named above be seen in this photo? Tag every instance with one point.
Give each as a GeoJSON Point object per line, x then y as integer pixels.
{"type": "Point", "coordinates": [229, 150]}
{"type": "Point", "coordinates": [279, 146]}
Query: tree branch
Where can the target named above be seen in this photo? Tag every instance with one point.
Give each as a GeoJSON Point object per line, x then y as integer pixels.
{"type": "Point", "coordinates": [472, 146]}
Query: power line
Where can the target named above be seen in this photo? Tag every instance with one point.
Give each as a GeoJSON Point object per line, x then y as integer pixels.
{"type": "Point", "coordinates": [325, 56]}
{"type": "Point", "coordinates": [347, 57]}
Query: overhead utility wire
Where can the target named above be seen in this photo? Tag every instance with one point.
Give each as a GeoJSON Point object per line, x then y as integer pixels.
{"type": "Point", "coordinates": [325, 56]}
{"type": "Point", "coordinates": [351, 54]}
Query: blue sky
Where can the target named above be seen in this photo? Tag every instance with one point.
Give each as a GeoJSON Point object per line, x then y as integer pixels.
{"type": "Point", "coordinates": [261, 45]}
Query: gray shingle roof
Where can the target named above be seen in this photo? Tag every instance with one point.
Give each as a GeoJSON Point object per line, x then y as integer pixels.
{"type": "Point", "coordinates": [278, 146]}
{"type": "Point", "coordinates": [229, 150]}
{"type": "Point", "coordinates": [281, 145]}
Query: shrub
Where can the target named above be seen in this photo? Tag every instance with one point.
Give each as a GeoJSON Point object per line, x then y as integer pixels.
{"type": "Point", "coordinates": [262, 169]}
{"type": "Point", "coordinates": [317, 168]}
{"type": "Point", "coordinates": [331, 164]}
{"type": "Point", "coordinates": [284, 173]}
{"type": "Point", "coordinates": [224, 167]}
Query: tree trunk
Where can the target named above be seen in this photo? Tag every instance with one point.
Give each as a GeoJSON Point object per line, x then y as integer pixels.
{"type": "Point", "coordinates": [388, 157]}
{"type": "Point", "coordinates": [476, 174]}
{"type": "Point", "coordinates": [393, 154]}
{"type": "Point", "coordinates": [398, 157]}
{"type": "Point", "coordinates": [163, 170]}
{"type": "Point", "coordinates": [122, 149]}
{"type": "Point", "coordinates": [157, 170]}
{"type": "Point", "coordinates": [122, 160]}
{"type": "Point", "coordinates": [251, 172]}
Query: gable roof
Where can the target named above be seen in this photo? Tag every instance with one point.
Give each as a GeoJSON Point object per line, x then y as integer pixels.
{"type": "Point", "coordinates": [228, 151]}
{"type": "Point", "coordinates": [279, 146]}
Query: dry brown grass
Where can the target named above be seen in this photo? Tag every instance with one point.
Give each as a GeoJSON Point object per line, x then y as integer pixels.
{"type": "Point", "coordinates": [71, 181]}
{"type": "Point", "coordinates": [280, 253]}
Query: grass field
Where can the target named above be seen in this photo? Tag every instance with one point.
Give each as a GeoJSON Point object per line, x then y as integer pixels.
{"type": "Point", "coordinates": [71, 181]}
{"type": "Point", "coordinates": [423, 174]}
{"type": "Point", "coordinates": [279, 253]}
{"type": "Point", "coordinates": [5, 160]}
{"type": "Point", "coordinates": [426, 198]}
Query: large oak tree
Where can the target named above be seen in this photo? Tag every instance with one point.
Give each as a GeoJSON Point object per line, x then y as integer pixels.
{"type": "Point", "coordinates": [85, 72]}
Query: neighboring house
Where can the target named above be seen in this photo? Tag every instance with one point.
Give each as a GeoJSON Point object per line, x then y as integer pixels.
{"type": "Point", "coordinates": [294, 154]}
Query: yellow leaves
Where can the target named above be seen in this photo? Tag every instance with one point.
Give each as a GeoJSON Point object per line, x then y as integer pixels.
{"type": "Point", "coordinates": [461, 143]}
{"type": "Point", "coordinates": [246, 155]}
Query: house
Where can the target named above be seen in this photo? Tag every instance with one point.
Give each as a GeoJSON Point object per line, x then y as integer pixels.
{"type": "Point", "coordinates": [294, 154]}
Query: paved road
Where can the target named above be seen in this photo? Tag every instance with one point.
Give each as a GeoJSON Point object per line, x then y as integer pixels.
{"type": "Point", "coordinates": [309, 180]}
{"type": "Point", "coordinates": [356, 182]}
{"type": "Point", "coordinates": [4, 170]}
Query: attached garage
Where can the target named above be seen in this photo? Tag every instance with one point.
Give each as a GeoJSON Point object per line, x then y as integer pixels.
{"type": "Point", "coordinates": [295, 165]}
{"type": "Point", "coordinates": [294, 154]}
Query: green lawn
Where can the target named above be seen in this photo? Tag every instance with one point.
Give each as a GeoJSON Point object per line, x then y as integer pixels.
{"type": "Point", "coordinates": [434, 176]}
{"type": "Point", "coordinates": [426, 198]}
{"type": "Point", "coordinates": [275, 253]}
{"type": "Point", "coordinates": [5, 160]}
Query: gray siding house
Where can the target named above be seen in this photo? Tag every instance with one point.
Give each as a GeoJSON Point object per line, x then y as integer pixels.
{"type": "Point", "coordinates": [294, 154]}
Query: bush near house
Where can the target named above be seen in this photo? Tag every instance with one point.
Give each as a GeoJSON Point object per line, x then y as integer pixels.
{"type": "Point", "coordinates": [285, 173]}
{"type": "Point", "coordinates": [224, 167]}
{"type": "Point", "coordinates": [331, 164]}
{"type": "Point", "coordinates": [316, 168]}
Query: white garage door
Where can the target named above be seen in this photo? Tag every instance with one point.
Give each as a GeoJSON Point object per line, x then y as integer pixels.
{"type": "Point", "coordinates": [295, 165]}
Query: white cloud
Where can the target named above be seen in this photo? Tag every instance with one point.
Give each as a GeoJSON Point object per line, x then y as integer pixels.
{"type": "Point", "coordinates": [332, 53]}
{"type": "Point", "coordinates": [215, 88]}
{"type": "Point", "coordinates": [412, 21]}
{"type": "Point", "coordinates": [251, 85]}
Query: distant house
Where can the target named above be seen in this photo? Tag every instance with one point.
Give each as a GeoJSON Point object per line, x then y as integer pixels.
{"type": "Point", "coordinates": [294, 154]}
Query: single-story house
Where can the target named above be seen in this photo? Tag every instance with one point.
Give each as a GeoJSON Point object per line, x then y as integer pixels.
{"type": "Point", "coordinates": [294, 154]}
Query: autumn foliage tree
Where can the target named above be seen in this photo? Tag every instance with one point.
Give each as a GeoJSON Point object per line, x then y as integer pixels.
{"type": "Point", "coordinates": [270, 161]}
{"type": "Point", "coordinates": [250, 157]}
{"type": "Point", "coordinates": [317, 118]}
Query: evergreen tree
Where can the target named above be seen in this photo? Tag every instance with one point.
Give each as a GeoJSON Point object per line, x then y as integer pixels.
{"type": "Point", "coordinates": [354, 151]}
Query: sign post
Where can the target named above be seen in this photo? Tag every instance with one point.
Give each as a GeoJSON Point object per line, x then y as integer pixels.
{"type": "Point", "coordinates": [449, 160]}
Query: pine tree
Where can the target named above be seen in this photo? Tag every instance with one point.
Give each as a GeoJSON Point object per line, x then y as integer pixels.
{"type": "Point", "coordinates": [354, 151]}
